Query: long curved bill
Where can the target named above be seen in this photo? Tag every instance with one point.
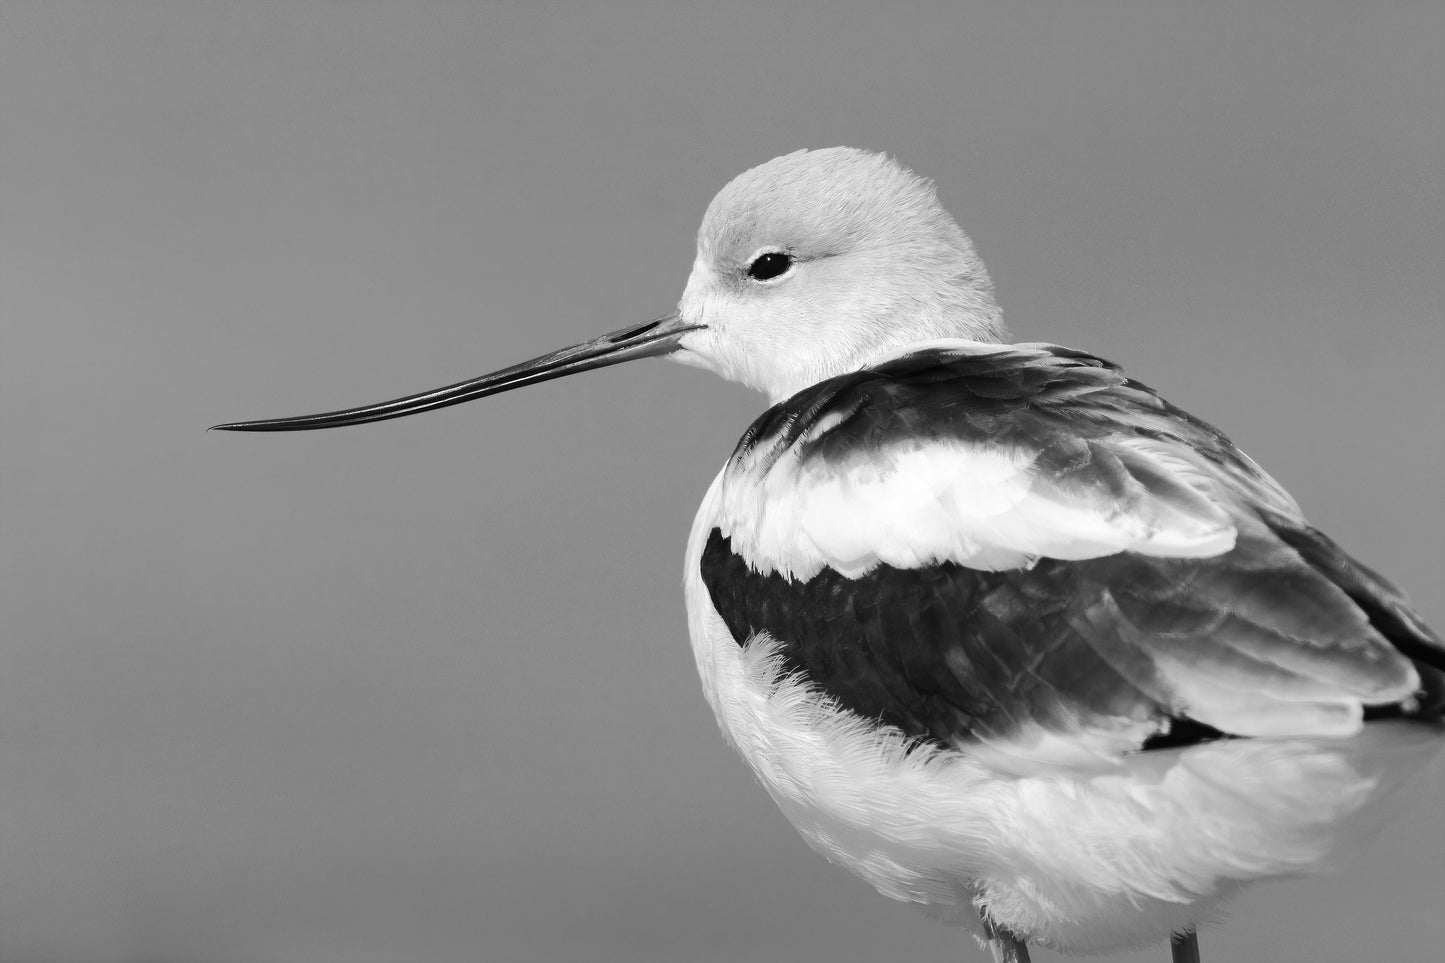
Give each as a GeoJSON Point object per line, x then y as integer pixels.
{"type": "Point", "coordinates": [648, 340]}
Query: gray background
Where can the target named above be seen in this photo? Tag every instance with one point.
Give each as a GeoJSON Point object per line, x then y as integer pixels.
{"type": "Point", "coordinates": [421, 691]}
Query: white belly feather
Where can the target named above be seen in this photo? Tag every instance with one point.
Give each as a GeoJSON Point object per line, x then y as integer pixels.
{"type": "Point", "coordinates": [1085, 861]}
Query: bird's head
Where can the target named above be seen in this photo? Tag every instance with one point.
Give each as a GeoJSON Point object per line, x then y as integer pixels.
{"type": "Point", "coordinates": [814, 263]}
{"type": "Point", "coordinates": [808, 266]}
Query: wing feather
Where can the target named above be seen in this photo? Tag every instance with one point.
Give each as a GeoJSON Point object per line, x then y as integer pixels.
{"type": "Point", "coordinates": [998, 545]}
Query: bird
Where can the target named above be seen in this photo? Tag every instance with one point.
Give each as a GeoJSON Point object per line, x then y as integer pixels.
{"type": "Point", "coordinates": [1001, 630]}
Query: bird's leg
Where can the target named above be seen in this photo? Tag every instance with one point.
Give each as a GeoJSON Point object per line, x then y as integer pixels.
{"type": "Point", "coordinates": [1005, 947]}
{"type": "Point", "coordinates": [1184, 948]}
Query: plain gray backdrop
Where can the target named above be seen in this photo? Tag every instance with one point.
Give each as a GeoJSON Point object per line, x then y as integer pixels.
{"type": "Point", "coordinates": [421, 690]}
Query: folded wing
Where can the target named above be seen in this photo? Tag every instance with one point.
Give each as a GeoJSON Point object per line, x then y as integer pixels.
{"type": "Point", "coordinates": [1010, 545]}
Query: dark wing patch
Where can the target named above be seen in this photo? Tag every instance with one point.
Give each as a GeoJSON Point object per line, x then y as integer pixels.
{"type": "Point", "coordinates": [1057, 402]}
{"type": "Point", "coordinates": [955, 656]}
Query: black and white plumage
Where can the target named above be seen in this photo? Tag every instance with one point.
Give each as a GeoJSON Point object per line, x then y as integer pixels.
{"type": "Point", "coordinates": [1181, 595]}
{"type": "Point", "coordinates": [1118, 673]}
{"type": "Point", "coordinates": [1002, 631]}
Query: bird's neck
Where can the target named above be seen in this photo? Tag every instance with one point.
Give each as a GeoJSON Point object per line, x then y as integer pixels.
{"type": "Point", "coordinates": [984, 326]}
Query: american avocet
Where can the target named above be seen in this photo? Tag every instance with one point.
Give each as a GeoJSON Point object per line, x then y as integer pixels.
{"type": "Point", "coordinates": [1001, 630]}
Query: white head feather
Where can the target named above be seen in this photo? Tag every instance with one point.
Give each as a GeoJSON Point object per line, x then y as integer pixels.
{"type": "Point", "coordinates": [876, 264]}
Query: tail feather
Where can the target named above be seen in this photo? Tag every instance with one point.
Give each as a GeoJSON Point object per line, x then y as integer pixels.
{"type": "Point", "coordinates": [1385, 605]}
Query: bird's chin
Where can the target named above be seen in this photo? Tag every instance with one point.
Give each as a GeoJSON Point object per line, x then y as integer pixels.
{"type": "Point", "coordinates": [699, 349]}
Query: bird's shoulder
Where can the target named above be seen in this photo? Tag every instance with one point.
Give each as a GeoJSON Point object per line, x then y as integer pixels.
{"type": "Point", "coordinates": [990, 455]}
{"type": "Point", "coordinates": [1045, 399]}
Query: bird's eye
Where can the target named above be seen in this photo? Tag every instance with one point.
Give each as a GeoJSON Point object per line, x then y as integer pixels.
{"type": "Point", "coordinates": [769, 265]}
